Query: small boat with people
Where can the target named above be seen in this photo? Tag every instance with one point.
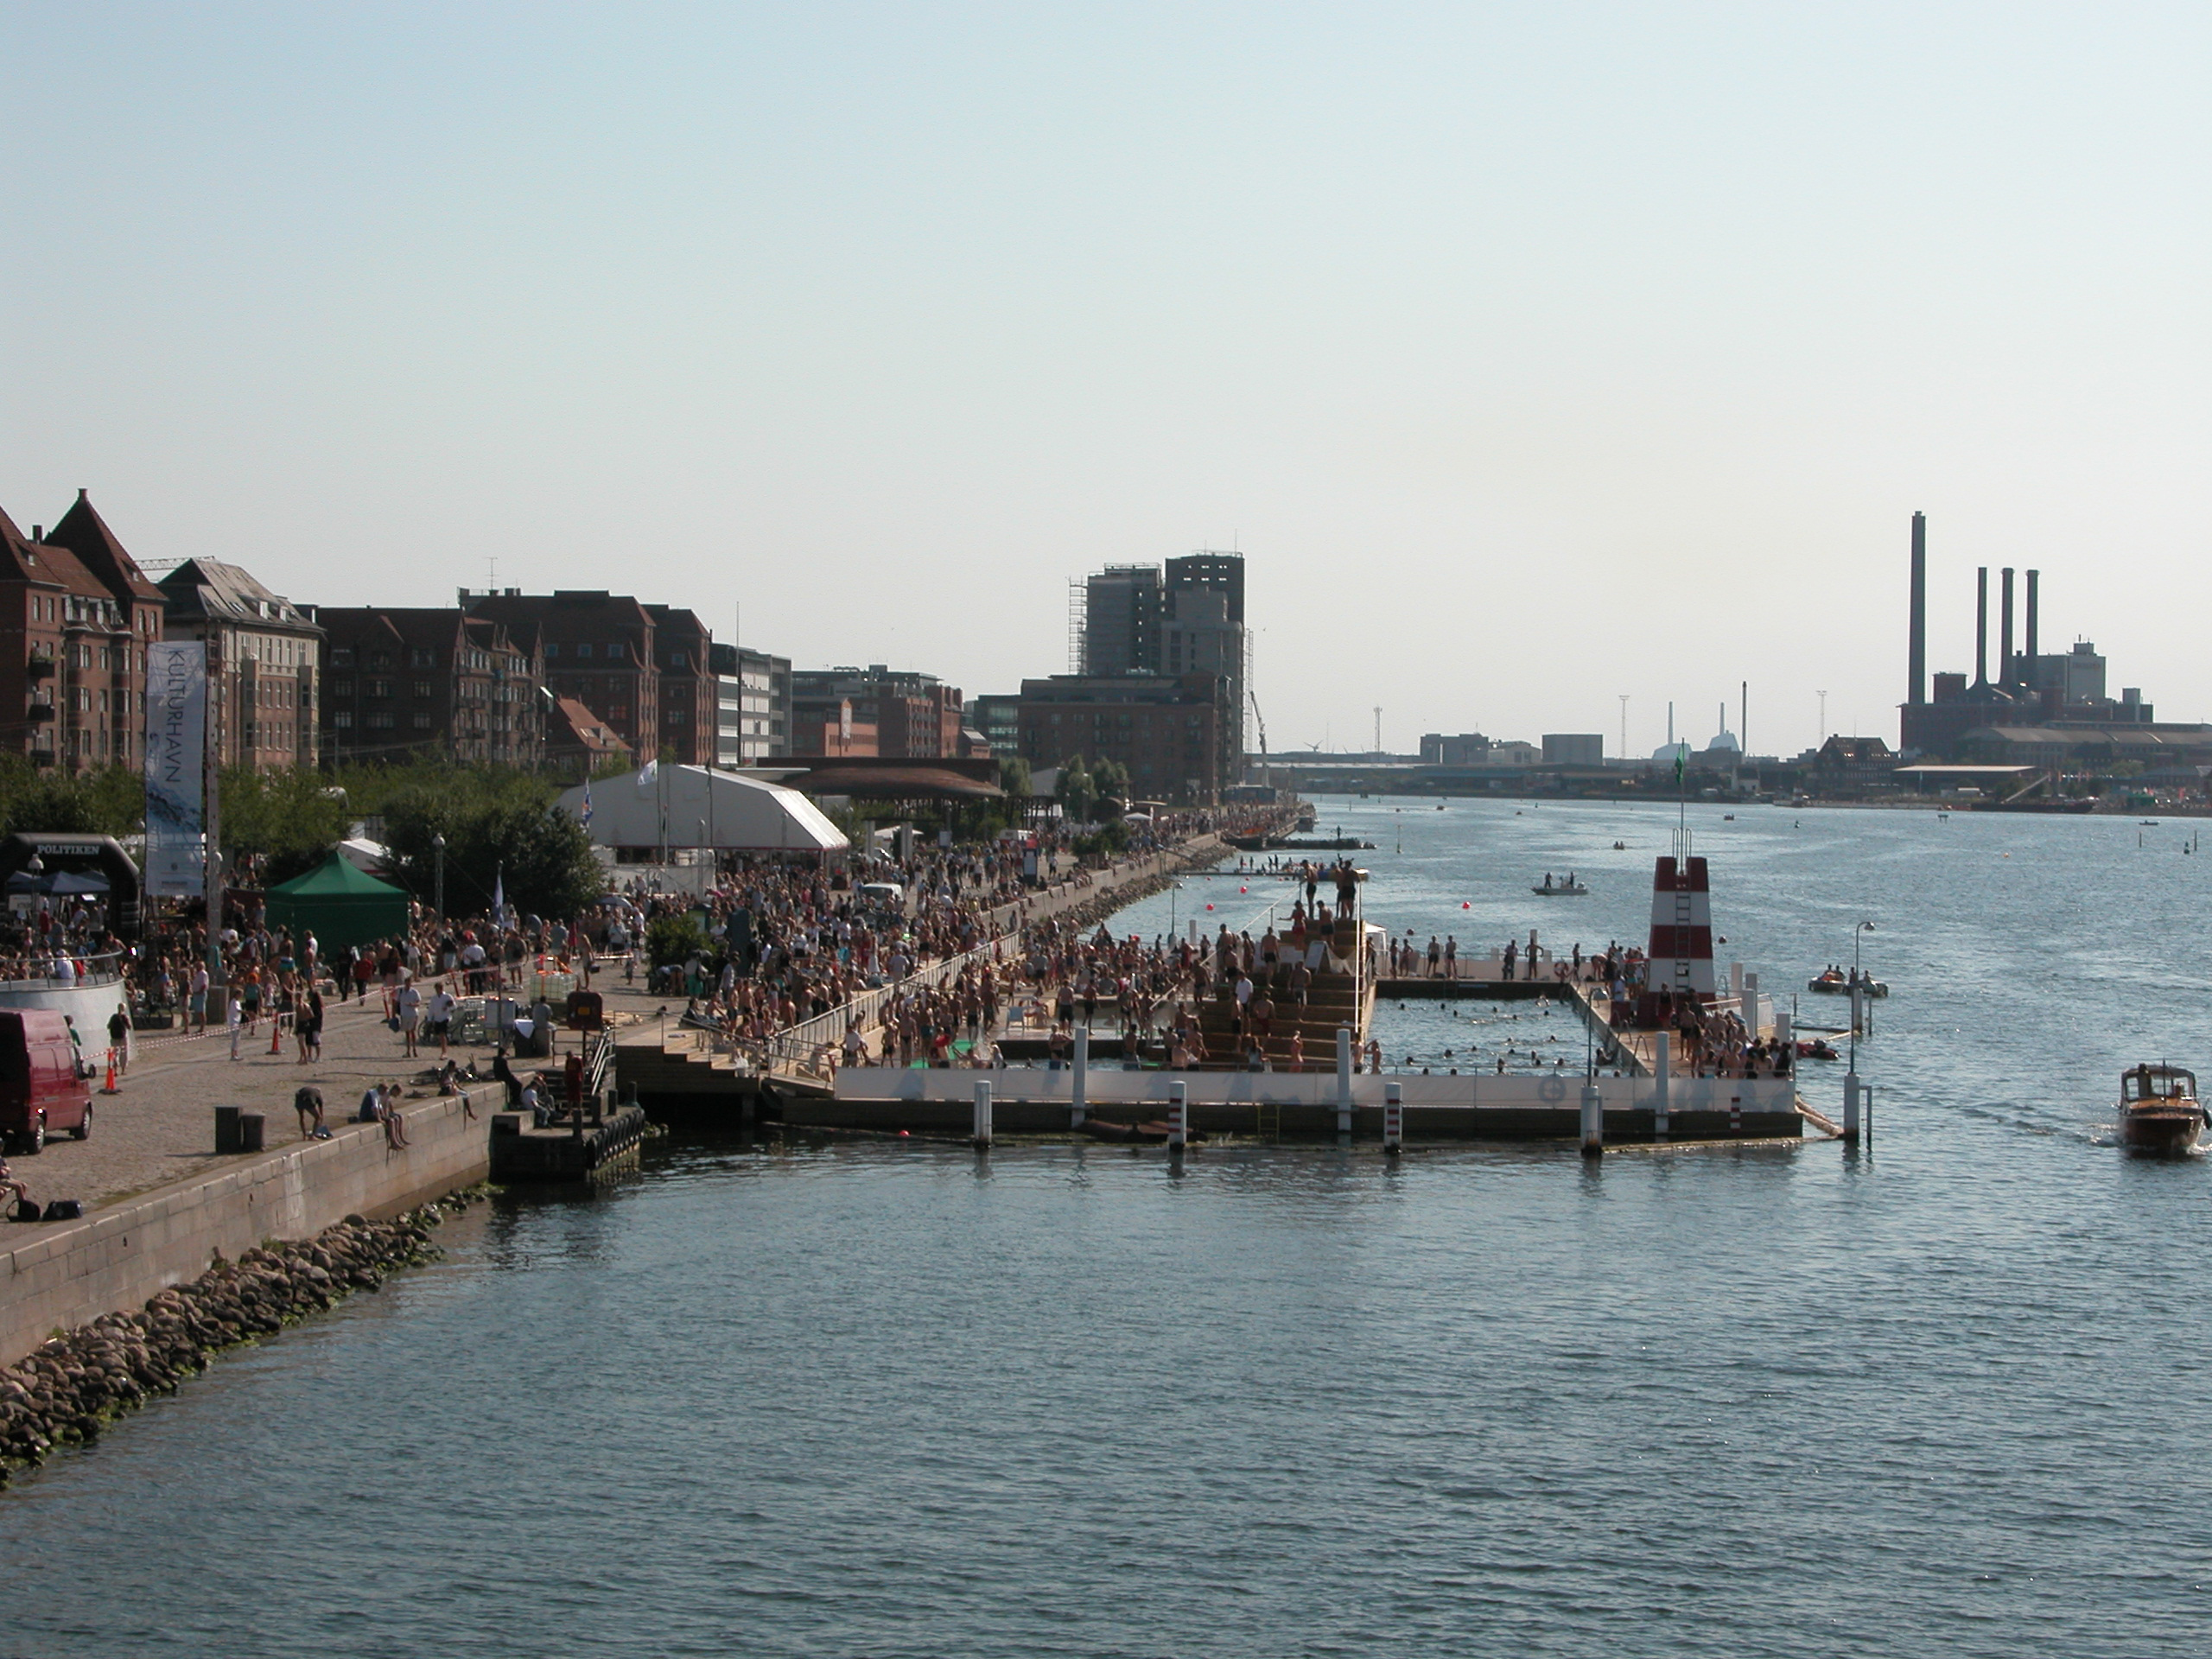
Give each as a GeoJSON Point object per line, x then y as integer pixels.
{"type": "Point", "coordinates": [1837, 982]}
{"type": "Point", "coordinates": [2159, 1114]}
{"type": "Point", "coordinates": [1569, 889]}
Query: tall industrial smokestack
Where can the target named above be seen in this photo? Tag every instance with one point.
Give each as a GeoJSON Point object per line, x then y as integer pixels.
{"type": "Point", "coordinates": [1916, 628]}
{"type": "Point", "coordinates": [1981, 624]}
{"type": "Point", "coordinates": [2032, 574]}
{"type": "Point", "coordinates": [2005, 629]}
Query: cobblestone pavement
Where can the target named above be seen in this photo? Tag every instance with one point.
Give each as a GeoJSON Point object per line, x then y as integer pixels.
{"type": "Point", "coordinates": [162, 1127]}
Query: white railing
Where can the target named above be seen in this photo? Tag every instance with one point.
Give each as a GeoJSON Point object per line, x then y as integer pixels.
{"type": "Point", "coordinates": [1107, 1084]}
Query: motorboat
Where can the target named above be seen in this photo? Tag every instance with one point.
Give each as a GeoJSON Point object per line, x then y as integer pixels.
{"type": "Point", "coordinates": [1620, 846]}
{"type": "Point", "coordinates": [1569, 889]}
{"type": "Point", "coordinates": [2159, 1116]}
{"type": "Point", "coordinates": [1816, 1048]}
{"type": "Point", "coordinates": [1836, 982]}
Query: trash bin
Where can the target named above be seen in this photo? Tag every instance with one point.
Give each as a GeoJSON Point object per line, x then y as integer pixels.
{"type": "Point", "coordinates": [227, 1129]}
{"type": "Point", "coordinates": [251, 1127]}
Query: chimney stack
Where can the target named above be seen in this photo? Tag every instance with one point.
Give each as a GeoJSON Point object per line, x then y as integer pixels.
{"type": "Point", "coordinates": [1981, 624]}
{"type": "Point", "coordinates": [1917, 627]}
{"type": "Point", "coordinates": [2005, 629]}
{"type": "Point", "coordinates": [2032, 574]}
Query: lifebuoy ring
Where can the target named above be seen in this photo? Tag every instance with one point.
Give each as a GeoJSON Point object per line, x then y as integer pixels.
{"type": "Point", "coordinates": [1551, 1090]}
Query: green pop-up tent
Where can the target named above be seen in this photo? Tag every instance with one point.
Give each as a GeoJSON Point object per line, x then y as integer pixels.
{"type": "Point", "coordinates": [339, 903]}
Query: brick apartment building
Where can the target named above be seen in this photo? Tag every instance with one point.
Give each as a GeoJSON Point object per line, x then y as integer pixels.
{"type": "Point", "coordinates": [1166, 732]}
{"type": "Point", "coordinates": [691, 720]}
{"type": "Point", "coordinates": [914, 716]}
{"type": "Point", "coordinates": [606, 651]}
{"type": "Point", "coordinates": [76, 615]}
{"type": "Point", "coordinates": [265, 656]}
{"type": "Point", "coordinates": [431, 681]}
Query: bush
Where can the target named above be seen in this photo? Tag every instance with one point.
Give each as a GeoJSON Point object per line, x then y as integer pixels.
{"type": "Point", "coordinates": [675, 938]}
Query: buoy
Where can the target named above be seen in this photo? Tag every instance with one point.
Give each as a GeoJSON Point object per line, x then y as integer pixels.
{"type": "Point", "coordinates": [1247, 889]}
{"type": "Point", "coordinates": [110, 1087]}
{"type": "Point", "coordinates": [1465, 904]}
{"type": "Point", "coordinates": [1209, 906]}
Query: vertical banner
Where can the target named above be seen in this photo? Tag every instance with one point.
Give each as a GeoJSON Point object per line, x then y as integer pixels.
{"type": "Point", "coordinates": [177, 742]}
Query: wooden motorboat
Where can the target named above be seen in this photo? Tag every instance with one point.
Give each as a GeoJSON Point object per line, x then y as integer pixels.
{"type": "Point", "coordinates": [2159, 1116]}
{"type": "Point", "coordinates": [1832, 984]}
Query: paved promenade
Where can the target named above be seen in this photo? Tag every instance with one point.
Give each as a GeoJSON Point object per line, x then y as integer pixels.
{"type": "Point", "coordinates": [162, 1127]}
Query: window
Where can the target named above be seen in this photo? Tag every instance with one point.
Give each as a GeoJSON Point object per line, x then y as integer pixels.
{"type": "Point", "coordinates": [342, 656]}
{"type": "Point", "coordinates": [380, 659]}
{"type": "Point", "coordinates": [584, 650]}
{"type": "Point", "coordinates": [342, 688]}
{"type": "Point", "coordinates": [342, 719]}
{"type": "Point", "coordinates": [421, 688]}
{"type": "Point", "coordinates": [424, 660]}
{"type": "Point", "coordinates": [421, 720]}
{"type": "Point", "coordinates": [676, 660]}
{"type": "Point", "coordinates": [552, 651]}
{"type": "Point", "coordinates": [614, 652]}
{"type": "Point", "coordinates": [380, 720]}
{"type": "Point", "coordinates": [379, 688]}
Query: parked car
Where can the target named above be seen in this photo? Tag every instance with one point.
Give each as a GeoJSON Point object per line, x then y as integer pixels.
{"type": "Point", "coordinates": [41, 1093]}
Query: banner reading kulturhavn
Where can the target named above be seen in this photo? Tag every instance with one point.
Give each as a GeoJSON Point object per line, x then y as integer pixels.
{"type": "Point", "coordinates": [177, 742]}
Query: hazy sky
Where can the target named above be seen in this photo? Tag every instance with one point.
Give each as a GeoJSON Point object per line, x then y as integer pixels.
{"type": "Point", "coordinates": [1532, 354]}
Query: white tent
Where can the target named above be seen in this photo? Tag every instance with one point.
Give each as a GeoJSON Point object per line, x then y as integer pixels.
{"type": "Point", "coordinates": [691, 806]}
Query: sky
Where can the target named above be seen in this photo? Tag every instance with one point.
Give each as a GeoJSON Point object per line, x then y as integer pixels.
{"type": "Point", "coordinates": [1534, 356]}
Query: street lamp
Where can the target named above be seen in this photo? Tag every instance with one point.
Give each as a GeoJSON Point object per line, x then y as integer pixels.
{"type": "Point", "coordinates": [438, 880]}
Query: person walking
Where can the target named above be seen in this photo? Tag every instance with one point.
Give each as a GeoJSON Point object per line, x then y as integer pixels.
{"type": "Point", "coordinates": [119, 1039]}
{"type": "Point", "coordinates": [407, 1008]}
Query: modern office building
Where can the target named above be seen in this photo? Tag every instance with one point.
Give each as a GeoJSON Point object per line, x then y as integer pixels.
{"type": "Point", "coordinates": [753, 702]}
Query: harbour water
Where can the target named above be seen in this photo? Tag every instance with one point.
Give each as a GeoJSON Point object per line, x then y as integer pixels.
{"type": "Point", "coordinates": [1942, 1396]}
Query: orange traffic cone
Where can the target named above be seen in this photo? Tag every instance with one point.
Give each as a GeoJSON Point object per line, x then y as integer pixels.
{"type": "Point", "coordinates": [275, 1035]}
{"type": "Point", "coordinates": [110, 1087]}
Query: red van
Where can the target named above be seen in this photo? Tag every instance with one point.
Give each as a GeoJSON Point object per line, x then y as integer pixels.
{"type": "Point", "coordinates": [39, 1090]}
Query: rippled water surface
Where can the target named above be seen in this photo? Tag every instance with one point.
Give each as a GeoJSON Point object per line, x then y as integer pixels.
{"type": "Point", "coordinates": [1944, 1397]}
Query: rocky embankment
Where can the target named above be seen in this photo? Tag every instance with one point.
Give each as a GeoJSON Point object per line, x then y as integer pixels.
{"type": "Point", "coordinates": [74, 1384]}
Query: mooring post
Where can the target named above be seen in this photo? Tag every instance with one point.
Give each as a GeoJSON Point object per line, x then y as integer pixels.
{"type": "Point", "coordinates": [983, 1116]}
{"type": "Point", "coordinates": [1179, 1114]}
{"type": "Point", "coordinates": [1750, 1005]}
{"type": "Point", "coordinates": [1393, 1119]}
{"type": "Point", "coordinates": [1662, 1063]}
{"type": "Point", "coordinates": [1850, 1108]}
{"type": "Point", "coordinates": [1593, 1119]}
{"type": "Point", "coordinates": [1078, 1104]}
{"type": "Point", "coordinates": [1343, 1079]}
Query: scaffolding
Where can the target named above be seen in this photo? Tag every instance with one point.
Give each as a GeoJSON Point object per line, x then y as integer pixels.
{"type": "Point", "coordinates": [1078, 611]}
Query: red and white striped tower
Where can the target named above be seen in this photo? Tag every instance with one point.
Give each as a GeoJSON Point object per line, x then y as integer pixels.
{"type": "Point", "coordinates": [1682, 930]}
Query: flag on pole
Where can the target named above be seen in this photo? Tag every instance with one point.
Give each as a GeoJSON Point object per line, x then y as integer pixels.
{"type": "Point", "coordinates": [585, 816]}
{"type": "Point", "coordinates": [649, 773]}
{"type": "Point", "coordinates": [500, 895]}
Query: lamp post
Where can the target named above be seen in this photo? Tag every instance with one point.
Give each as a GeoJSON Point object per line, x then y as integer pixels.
{"type": "Point", "coordinates": [438, 878]}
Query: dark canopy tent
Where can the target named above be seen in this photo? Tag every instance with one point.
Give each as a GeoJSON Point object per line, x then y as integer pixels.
{"type": "Point", "coordinates": [340, 905]}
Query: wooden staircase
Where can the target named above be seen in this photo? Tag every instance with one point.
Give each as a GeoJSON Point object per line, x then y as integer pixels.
{"type": "Point", "coordinates": [1334, 1001]}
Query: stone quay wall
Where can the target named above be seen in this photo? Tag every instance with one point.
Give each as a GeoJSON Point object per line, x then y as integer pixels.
{"type": "Point", "coordinates": [62, 1274]}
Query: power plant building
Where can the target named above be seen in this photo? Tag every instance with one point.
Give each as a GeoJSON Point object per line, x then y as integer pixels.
{"type": "Point", "coordinates": [2036, 708]}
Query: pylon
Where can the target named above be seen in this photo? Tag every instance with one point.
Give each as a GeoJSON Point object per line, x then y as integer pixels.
{"type": "Point", "coordinates": [275, 1035]}
{"type": "Point", "coordinates": [110, 1087]}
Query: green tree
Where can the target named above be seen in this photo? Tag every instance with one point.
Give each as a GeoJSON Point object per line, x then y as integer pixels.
{"type": "Point", "coordinates": [1110, 779]}
{"type": "Point", "coordinates": [1014, 776]}
{"type": "Point", "coordinates": [1075, 789]}
{"type": "Point", "coordinates": [506, 831]}
{"type": "Point", "coordinates": [109, 801]}
{"type": "Point", "coordinates": [290, 820]}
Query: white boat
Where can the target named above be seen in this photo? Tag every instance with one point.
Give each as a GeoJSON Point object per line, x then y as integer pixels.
{"type": "Point", "coordinates": [1569, 889]}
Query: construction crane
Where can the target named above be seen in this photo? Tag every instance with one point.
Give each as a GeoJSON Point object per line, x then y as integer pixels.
{"type": "Point", "coordinates": [1260, 721]}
